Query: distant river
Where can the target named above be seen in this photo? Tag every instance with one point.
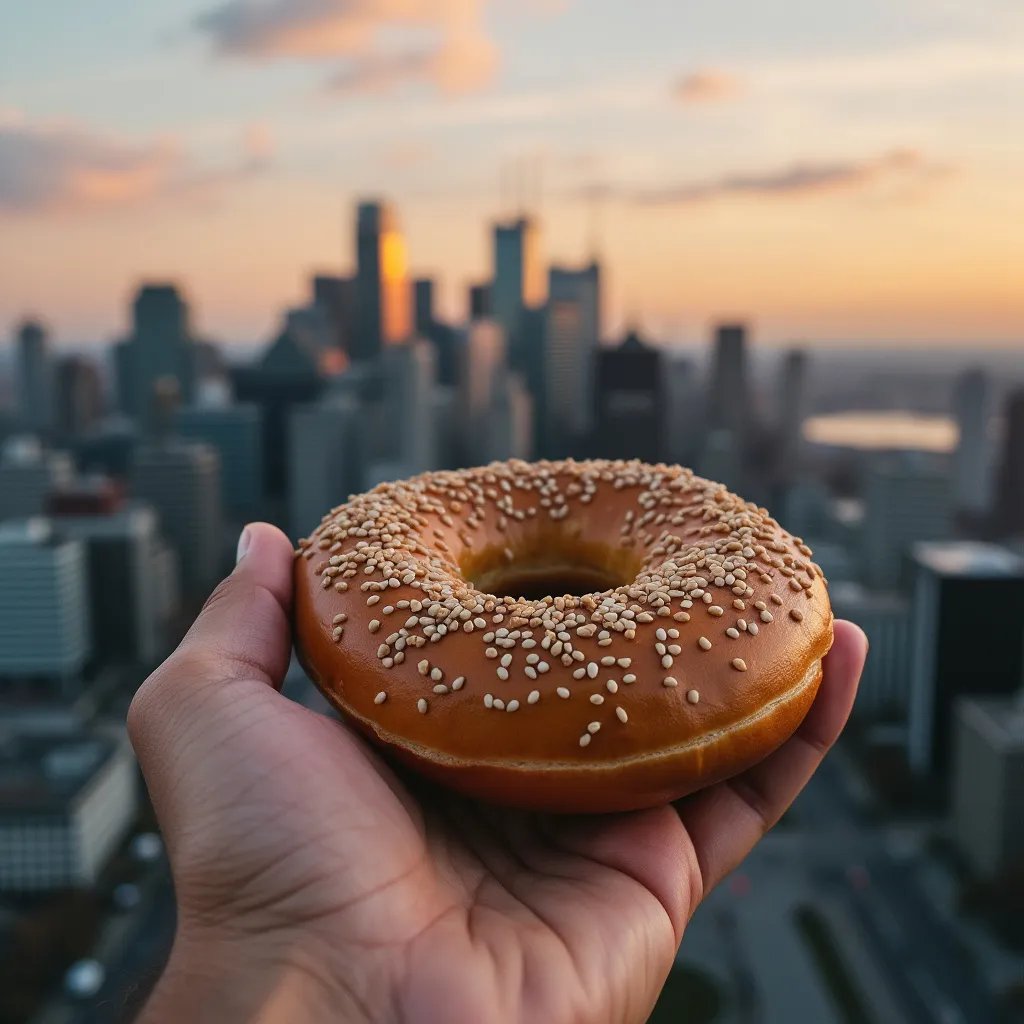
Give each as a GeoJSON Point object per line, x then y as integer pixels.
{"type": "Point", "coordinates": [878, 431]}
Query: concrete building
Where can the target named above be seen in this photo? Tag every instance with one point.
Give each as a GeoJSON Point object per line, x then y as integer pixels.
{"type": "Point", "coordinates": [518, 281]}
{"type": "Point", "coordinates": [78, 404]}
{"type": "Point", "coordinates": [510, 427]}
{"type": "Point", "coordinates": [484, 368]}
{"type": "Point", "coordinates": [478, 301]}
{"type": "Point", "coordinates": [681, 442]}
{"type": "Point", "coordinates": [326, 457]}
{"type": "Point", "coordinates": [630, 402]}
{"type": "Point", "coordinates": [235, 432]}
{"type": "Point", "coordinates": [729, 390]}
{"type": "Point", "coordinates": [1009, 511]}
{"type": "Point", "coordinates": [972, 461]}
{"type": "Point", "coordinates": [967, 610]}
{"type": "Point", "coordinates": [160, 351]}
{"type": "Point", "coordinates": [410, 376]}
{"type": "Point", "coordinates": [906, 500]}
{"type": "Point", "coordinates": [28, 473]}
{"type": "Point", "coordinates": [181, 480]}
{"type": "Point", "coordinates": [988, 784]}
{"type": "Point", "coordinates": [573, 331]}
{"type": "Point", "coordinates": [884, 692]}
{"type": "Point", "coordinates": [792, 410]}
{"type": "Point", "coordinates": [34, 379]}
{"type": "Point", "coordinates": [44, 603]}
{"type": "Point", "coordinates": [68, 802]}
{"type": "Point", "coordinates": [383, 313]}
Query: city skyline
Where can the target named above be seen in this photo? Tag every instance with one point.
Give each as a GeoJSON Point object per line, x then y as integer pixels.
{"type": "Point", "coordinates": [828, 175]}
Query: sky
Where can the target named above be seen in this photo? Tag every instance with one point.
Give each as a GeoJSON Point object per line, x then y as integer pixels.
{"type": "Point", "coordinates": [844, 172]}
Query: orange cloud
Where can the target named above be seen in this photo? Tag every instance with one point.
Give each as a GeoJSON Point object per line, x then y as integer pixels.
{"type": "Point", "coordinates": [706, 86]}
{"type": "Point", "coordinates": [455, 54]}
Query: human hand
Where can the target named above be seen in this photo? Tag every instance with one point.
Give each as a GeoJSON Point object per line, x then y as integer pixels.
{"type": "Point", "coordinates": [313, 883]}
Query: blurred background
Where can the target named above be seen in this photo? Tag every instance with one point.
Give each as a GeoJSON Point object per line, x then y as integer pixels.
{"type": "Point", "coordinates": [258, 255]}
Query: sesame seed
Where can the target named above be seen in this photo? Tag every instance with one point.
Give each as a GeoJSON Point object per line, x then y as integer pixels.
{"type": "Point", "coordinates": [440, 688]}
{"type": "Point", "coordinates": [512, 705]}
{"type": "Point", "coordinates": [670, 681]}
{"type": "Point", "coordinates": [693, 696]}
{"type": "Point", "coordinates": [502, 673]}
{"type": "Point", "coordinates": [705, 643]}
{"type": "Point", "coordinates": [380, 698]}
{"type": "Point", "coordinates": [436, 674]}
{"type": "Point", "coordinates": [613, 687]}
{"type": "Point", "coordinates": [739, 664]}
{"type": "Point", "coordinates": [666, 662]}
{"type": "Point", "coordinates": [733, 632]}
{"type": "Point", "coordinates": [775, 599]}
{"type": "Point", "coordinates": [796, 615]}
{"type": "Point", "coordinates": [423, 667]}
{"type": "Point", "coordinates": [593, 728]}
{"type": "Point", "coordinates": [620, 714]}
{"type": "Point", "coordinates": [422, 706]}
{"type": "Point", "coordinates": [488, 700]}
{"type": "Point", "coordinates": [562, 692]}
{"type": "Point", "coordinates": [374, 625]}
{"type": "Point", "coordinates": [716, 610]}
{"type": "Point", "coordinates": [629, 678]}
{"type": "Point", "coordinates": [596, 698]}
{"type": "Point", "coordinates": [499, 704]}
{"type": "Point", "coordinates": [593, 669]}
{"type": "Point", "coordinates": [585, 740]}
{"type": "Point", "coordinates": [766, 616]}
{"type": "Point", "coordinates": [661, 634]}
{"type": "Point", "coordinates": [533, 697]}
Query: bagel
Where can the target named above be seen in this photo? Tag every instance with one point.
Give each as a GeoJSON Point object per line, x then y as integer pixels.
{"type": "Point", "coordinates": [563, 636]}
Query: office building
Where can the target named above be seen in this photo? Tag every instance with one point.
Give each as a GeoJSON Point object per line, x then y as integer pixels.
{"type": "Point", "coordinates": [484, 367]}
{"type": "Point", "coordinates": [721, 460]}
{"type": "Point", "coordinates": [334, 298]}
{"type": "Point", "coordinates": [1010, 489]}
{"type": "Point", "coordinates": [235, 432]}
{"type": "Point", "coordinates": [34, 379]}
{"type": "Point", "coordinates": [681, 440]}
{"type": "Point", "coordinates": [884, 692]}
{"type": "Point", "coordinates": [78, 402]}
{"type": "Point", "coordinates": [326, 457]}
{"type": "Point", "coordinates": [423, 306]}
{"type": "Point", "coordinates": [630, 422]}
{"type": "Point", "coordinates": [792, 410]}
{"type": "Point", "coordinates": [383, 314]}
{"type": "Point", "coordinates": [44, 603]}
{"type": "Point", "coordinates": [288, 374]}
{"type": "Point", "coordinates": [68, 802]}
{"type": "Point", "coordinates": [510, 425]}
{"type": "Point", "coordinates": [906, 499]}
{"type": "Point", "coordinates": [160, 349]}
{"type": "Point", "coordinates": [729, 391]}
{"type": "Point", "coordinates": [573, 332]}
{"type": "Point", "coordinates": [181, 480]}
{"type": "Point", "coordinates": [988, 784]}
{"type": "Point", "coordinates": [479, 301]}
{"type": "Point", "coordinates": [124, 562]}
{"type": "Point", "coordinates": [518, 281]}
{"type": "Point", "coordinates": [967, 610]}
{"type": "Point", "coordinates": [28, 472]}
{"type": "Point", "coordinates": [410, 376]}
{"type": "Point", "coordinates": [972, 461]}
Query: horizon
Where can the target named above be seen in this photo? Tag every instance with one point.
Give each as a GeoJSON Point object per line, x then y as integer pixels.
{"type": "Point", "coordinates": [820, 174]}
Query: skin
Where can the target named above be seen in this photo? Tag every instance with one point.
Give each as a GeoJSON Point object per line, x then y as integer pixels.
{"type": "Point", "coordinates": [315, 884]}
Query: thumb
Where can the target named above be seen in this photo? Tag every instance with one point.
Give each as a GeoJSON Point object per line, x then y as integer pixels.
{"type": "Point", "coordinates": [243, 633]}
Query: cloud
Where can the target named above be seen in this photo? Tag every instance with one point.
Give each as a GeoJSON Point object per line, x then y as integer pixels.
{"type": "Point", "coordinates": [64, 166]}
{"type": "Point", "coordinates": [452, 50]}
{"type": "Point", "coordinates": [897, 172]}
{"type": "Point", "coordinates": [706, 86]}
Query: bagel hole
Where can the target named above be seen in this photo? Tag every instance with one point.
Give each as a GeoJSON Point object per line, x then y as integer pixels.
{"type": "Point", "coordinates": [534, 584]}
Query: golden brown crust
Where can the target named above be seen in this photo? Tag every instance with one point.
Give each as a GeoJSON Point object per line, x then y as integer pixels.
{"type": "Point", "coordinates": [669, 537]}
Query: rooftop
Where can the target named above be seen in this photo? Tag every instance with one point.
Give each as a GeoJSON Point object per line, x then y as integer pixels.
{"type": "Point", "coordinates": [42, 774]}
{"type": "Point", "coordinates": [968, 559]}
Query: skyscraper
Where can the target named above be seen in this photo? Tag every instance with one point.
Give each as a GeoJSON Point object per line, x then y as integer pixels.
{"type": "Point", "coordinates": [34, 379]}
{"type": "Point", "coordinates": [44, 604]}
{"type": "Point", "coordinates": [423, 305]}
{"type": "Point", "coordinates": [682, 409]}
{"type": "Point", "coordinates": [410, 376]}
{"type": "Point", "coordinates": [518, 282]}
{"type": "Point", "coordinates": [573, 332]}
{"type": "Point", "coordinates": [792, 409]}
{"type": "Point", "coordinates": [510, 424]}
{"type": "Point", "coordinates": [79, 397]}
{"type": "Point", "coordinates": [383, 315]}
{"type": "Point", "coordinates": [630, 401]}
{"type": "Point", "coordinates": [335, 299]}
{"type": "Point", "coordinates": [906, 499]}
{"type": "Point", "coordinates": [160, 348]}
{"type": "Point", "coordinates": [27, 475]}
{"type": "Point", "coordinates": [972, 460]}
{"type": "Point", "coordinates": [484, 366]}
{"type": "Point", "coordinates": [182, 481]}
{"type": "Point", "coordinates": [729, 391]}
{"type": "Point", "coordinates": [1010, 492]}
{"type": "Point", "coordinates": [480, 305]}
{"type": "Point", "coordinates": [967, 607]}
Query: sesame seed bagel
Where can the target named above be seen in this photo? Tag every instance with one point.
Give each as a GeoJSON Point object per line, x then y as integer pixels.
{"type": "Point", "coordinates": [563, 636]}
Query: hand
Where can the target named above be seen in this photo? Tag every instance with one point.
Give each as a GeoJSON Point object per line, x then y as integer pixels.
{"type": "Point", "coordinates": [313, 884]}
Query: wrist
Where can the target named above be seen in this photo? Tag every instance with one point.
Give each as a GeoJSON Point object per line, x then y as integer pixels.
{"type": "Point", "coordinates": [267, 979]}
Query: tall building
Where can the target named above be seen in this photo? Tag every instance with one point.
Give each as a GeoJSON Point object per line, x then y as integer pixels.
{"type": "Point", "coordinates": [326, 458]}
{"type": "Point", "coordinates": [480, 305]}
{"type": "Point", "coordinates": [510, 424]}
{"type": "Point", "coordinates": [573, 334]}
{"type": "Point", "coordinates": [383, 315]}
{"type": "Point", "coordinates": [335, 299]}
{"type": "Point", "coordinates": [681, 442]}
{"type": "Point", "coordinates": [792, 410]}
{"type": "Point", "coordinates": [78, 400]}
{"type": "Point", "coordinates": [988, 784]}
{"type": "Point", "coordinates": [972, 462]}
{"type": "Point", "coordinates": [68, 801]}
{"type": "Point", "coordinates": [630, 402]}
{"type": "Point", "coordinates": [34, 379]}
{"type": "Point", "coordinates": [288, 374]}
{"type": "Point", "coordinates": [28, 473]}
{"type": "Point", "coordinates": [182, 482]}
{"type": "Point", "coordinates": [967, 610]}
{"type": "Point", "coordinates": [906, 500]}
{"type": "Point", "coordinates": [423, 306]}
{"type": "Point", "coordinates": [518, 281]}
{"type": "Point", "coordinates": [160, 348]}
{"type": "Point", "coordinates": [884, 691]}
{"type": "Point", "coordinates": [410, 376]}
{"type": "Point", "coordinates": [124, 553]}
{"type": "Point", "coordinates": [235, 432]}
{"type": "Point", "coordinates": [484, 367]}
{"type": "Point", "coordinates": [44, 604]}
{"type": "Point", "coordinates": [729, 392]}
{"type": "Point", "coordinates": [1010, 492]}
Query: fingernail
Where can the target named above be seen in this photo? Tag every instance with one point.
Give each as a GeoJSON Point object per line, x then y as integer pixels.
{"type": "Point", "coordinates": [243, 544]}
